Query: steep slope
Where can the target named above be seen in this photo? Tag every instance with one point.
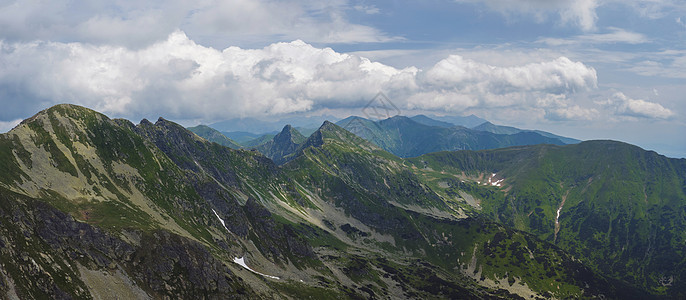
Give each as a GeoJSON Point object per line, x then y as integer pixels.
{"type": "Point", "coordinates": [120, 194]}
{"type": "Point", "coordinates": [282, 145]}
{"type": "Point", "coordinates": [182, 206]}
{"type": "Point", "coordinates": [213, 135]}
{"type": "Point", "coordinates": [499, 129]}
{"type": "Point", "coordinates": [238, 184]}
{"type": "Point", "coordinates": [386, 207]}
{"type": "Point", "coordinates": [618, 207]}
{"type": "Point", "coordinates": [90, 205]}
{"type": "Point", "coordinates": [406, 138]}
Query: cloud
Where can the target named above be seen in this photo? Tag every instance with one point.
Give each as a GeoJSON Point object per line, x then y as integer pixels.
{"type": "Point", "coordinates": [558, 76]}
{"type": "Point", "coordinates": [178, 78]}
{"type": "Point", "coordinates": [367, 9]}
{"type": "Point", "coordinates": [138, 24]}
{"type": "Point", "coordinates": [314, 21]}
{"type": "Point", "coordinates": [130, 23]}
{"type": "Point", "coordinates": [680, 22]}
{"type": "Point", "coordinates": [581, 13]}
{"type": "Point", "coordinates": [666, 64]}
{"type": "Point", "coordinates": [623, 105]}
{"type": "Point", "coordinates": [574, 112]}
{"type": "Point", "coordinates": [616, 35]}
{"type": "Point", "coordinates": [654, 9]}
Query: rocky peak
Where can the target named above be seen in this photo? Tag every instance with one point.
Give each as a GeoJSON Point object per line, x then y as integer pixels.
{"type": "Point", "coordinates": [282, 145]}
{"type": "Point", "coordinates": [289, 135]}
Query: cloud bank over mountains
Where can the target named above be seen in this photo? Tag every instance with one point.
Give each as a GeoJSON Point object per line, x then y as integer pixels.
{"type": "Point", "coordinates": [181, 79]}
{"type": "Point", "coordinates": [585, 68]}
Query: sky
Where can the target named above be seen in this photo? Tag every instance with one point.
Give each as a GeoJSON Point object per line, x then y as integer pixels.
{"type": "Point", "coordinates": [587, 69]}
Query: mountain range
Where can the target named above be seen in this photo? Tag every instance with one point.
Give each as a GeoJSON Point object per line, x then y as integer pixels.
{"type": "Point", "coordinates": [92, 207]}
{"type": "Point", "coordinates": [402, 136]}
{"type": "Point", "coordinates": [405, 137]}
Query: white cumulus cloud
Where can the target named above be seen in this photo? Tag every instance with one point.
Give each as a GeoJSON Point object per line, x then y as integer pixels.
{"type": "Point", "coordinates": [623, 105]}
{"type": "Point", "coordinates": [557, 76]}
{"type": "Point", "coordinates": [178, 78]}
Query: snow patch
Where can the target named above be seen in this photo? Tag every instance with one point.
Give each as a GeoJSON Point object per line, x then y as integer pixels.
{"type": "Point", "coordinates": [220, 220]}
{"type": "Point", "coordinates": [241, 261]}
{"type": "Point", "coordinates": [493, 182]}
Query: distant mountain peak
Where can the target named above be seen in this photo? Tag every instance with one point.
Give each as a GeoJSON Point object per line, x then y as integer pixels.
{"type": "Point", "coordinates": [69, 111]}
{"type": "Point", "coordinates": [211, 135]}
{"type": "Point", "coordinates": [487, 123]}
{"type": "Point", "coordinates": [327, 125]}
{"type": "Point", "coordinates": [282, 145]}
{"type": "Point", "coordinates": [289, 134]}
{"type": "Point", "coordinates": [332, 133]}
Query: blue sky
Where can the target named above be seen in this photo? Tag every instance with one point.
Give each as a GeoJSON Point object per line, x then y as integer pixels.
{"type": "Point", "coordinates": [589, 69]}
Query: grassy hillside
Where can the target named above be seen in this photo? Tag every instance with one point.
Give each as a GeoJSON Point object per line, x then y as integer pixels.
{"type": "Point", "coordinates": [618, 207]}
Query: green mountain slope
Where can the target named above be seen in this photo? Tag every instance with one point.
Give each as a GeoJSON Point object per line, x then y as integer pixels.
{"type": "Point", "coordinates": [499, 129]}
{"type": "Point", "coordinates": [406, 138]}
{"type": "Point", "coordinates": [119, 194]}
{"type": "Point", "coordinates": [213, 135]}
{"type": "Point", "coordinates": [422, 119]}
{"type": "Point", "coordinates": [385, 199]}
{"type": "Point", "coordinates": [466, 121]}
{"type": "Point", "coordinates": [91, 205]}
{"type": "Point", "coordinates": [256, 142]}
{"type": "Point", "coordinates": [618, 207]}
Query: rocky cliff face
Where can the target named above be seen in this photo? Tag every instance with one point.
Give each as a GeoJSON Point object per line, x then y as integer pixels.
{"type": "Point", "coordinates": [47, 253]}
{"type": "Point", "coordinates": [122, 187]}
{"type": "Point", "coordinates": [280, 148]}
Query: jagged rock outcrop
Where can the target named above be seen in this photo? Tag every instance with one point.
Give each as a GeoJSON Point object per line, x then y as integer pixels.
{"type": "Point", "coordinates": [283, 145]}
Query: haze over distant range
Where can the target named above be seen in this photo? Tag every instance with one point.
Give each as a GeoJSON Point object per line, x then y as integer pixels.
{"type": "Point", "coordinates": [586, 69]}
